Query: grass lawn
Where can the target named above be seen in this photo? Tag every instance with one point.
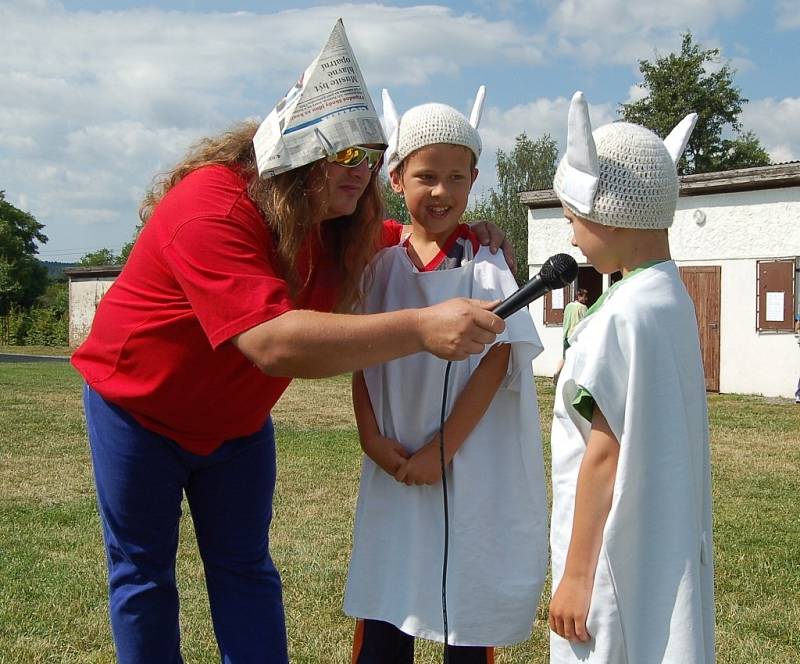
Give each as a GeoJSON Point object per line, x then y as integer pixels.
{"type": "Point", "coordinates": [52, 570]}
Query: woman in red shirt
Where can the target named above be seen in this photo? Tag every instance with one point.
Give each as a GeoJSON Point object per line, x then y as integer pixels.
{"type": "Point", "coordinates": [236, 284]}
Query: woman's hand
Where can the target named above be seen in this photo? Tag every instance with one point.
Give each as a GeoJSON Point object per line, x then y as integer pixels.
{"type": "Point", "coordinates": [490, 235]}
{"type": "Point", "coordinates": [457, 328]}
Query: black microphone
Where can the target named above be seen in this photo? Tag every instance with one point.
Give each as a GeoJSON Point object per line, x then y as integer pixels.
{"type": "Point", "coordinates": [557, 272]}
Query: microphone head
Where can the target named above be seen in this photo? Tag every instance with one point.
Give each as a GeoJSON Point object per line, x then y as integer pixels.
{"type": "Point", "coordinates": [559, 270]}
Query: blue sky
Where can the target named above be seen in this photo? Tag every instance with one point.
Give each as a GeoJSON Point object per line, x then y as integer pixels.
{"type": "Point", "coordinates": [96, 97]}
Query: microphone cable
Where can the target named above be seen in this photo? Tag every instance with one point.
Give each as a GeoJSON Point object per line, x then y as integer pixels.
{"type": "Point", "coordinates": [557, 271]}
{"type": "Point", "coordinates": [446, 658]}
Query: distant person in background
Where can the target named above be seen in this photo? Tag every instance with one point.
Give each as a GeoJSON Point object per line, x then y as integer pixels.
{"type": "Point", "coordinates": [573, 314]}
{"type": "Point", "coordinates": [797, 335]}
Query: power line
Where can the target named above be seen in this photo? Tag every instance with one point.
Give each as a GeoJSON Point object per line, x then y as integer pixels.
{"type": "Point", "coordinates": [78, 252]}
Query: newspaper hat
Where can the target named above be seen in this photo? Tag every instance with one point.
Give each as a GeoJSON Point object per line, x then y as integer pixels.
{"type": "Point", "coordinates": [428, 124]}
{"type": "Point", "coordinates": [327, 110]}
{"type": "Point", "coordinates": [622, 174]}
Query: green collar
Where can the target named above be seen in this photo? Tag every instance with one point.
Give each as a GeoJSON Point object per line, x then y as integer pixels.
{"type": "Point", "coordinates": [637, 270]}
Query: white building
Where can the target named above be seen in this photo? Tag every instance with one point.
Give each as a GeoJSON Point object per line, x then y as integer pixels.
{"type": "Point", "coordinates": [736, 239]}
{"type": "Point", "coordinates": [87, 285]}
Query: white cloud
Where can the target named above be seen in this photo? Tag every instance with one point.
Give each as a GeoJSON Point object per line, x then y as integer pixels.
{"type": "Point", "coordinates": [636, 93]}
{"type": "Point", "coordinates": [622, 32]}
{"type": "Point", "coordinates": [788, 15]}
{"type": "Point", "coordinates": [776, 122]}
{"type": "Point", "coordinates": [500, 128]}
{"type": "Point", "coordinates": [500, 6]}
{"type": "Point", "coordinates": [93, 104]}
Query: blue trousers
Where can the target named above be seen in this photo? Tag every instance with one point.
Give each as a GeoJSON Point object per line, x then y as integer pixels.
{"type": "Point", "coordinates": [140, 479]}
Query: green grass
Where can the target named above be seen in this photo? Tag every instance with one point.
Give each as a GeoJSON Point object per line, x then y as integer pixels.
{"type": "Point", "coordinates": [52, 569]}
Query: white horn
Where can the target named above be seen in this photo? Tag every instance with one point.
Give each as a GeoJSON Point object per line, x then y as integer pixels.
{"type": "Point", "coordinates": [579, 185]}
{"type": "Point", "coordinates": [477, 107]}
{"type": "Point", "coordinates": [679, 137]}
{"type": "Point", "coordinates": [391, 124]}
{"type": "Point", "coordinates": [390, 117]}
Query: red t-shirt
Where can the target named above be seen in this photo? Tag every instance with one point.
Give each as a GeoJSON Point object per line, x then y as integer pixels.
{"type": "Point", "coordinates": [202, 271]}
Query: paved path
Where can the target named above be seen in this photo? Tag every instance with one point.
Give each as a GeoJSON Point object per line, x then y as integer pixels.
{"type": "Point", "coordinates": [19, 357]}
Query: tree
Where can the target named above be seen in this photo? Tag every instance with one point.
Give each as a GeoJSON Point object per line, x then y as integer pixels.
{"type": "Point", "coordinates": [529, 166]}
{"type": "Point", "coordinates": [22, 277]}
{"type": "Point", "coordinates": [395, 203]}
{"type": "Point", "coordinates": [126, 251]}
{"type": "Point", "coordinates": [744, 151]}
{"type": "Point", "coordinates": [678, 84]}
{"type": "Point", "coordinates": [99, 258]}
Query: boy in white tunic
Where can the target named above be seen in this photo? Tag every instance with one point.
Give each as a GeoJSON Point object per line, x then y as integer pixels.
{"type": "Point", "coordinates": [497, 506]}
{"type": "Point", "coordinates": [631, 524]}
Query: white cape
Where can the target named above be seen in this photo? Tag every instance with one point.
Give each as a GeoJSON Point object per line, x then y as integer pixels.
{"type": "Point", "coordinates": [498, 511]}
{"type": "Point", "coordinates": [639, 357]}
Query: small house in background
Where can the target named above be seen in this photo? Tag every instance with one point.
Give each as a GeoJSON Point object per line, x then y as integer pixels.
{"type": "Point", "coordinates": [736, 240]}
{"type": "Point", "coordinates": [87, 285]}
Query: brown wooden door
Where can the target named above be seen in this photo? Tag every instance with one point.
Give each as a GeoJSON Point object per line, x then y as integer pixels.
{"type": "Point", "coordinates": [703, 284]}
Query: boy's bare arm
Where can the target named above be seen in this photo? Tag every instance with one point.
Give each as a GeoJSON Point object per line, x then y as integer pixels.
{"type": "Point", "coordinates": [424, 467]}
{"type": "Point", "coordinates": [387, 453]}
{"type": "Point", "coordinates": [569, 606]}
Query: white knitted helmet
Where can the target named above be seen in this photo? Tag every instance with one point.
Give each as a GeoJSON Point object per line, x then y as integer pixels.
{"type": "Point", "coordinates": [429, 124]}
{"type": "Point", "coordinates": [622, 174]}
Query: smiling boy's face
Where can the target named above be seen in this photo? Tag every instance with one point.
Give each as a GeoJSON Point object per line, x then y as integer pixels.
{"type": "Point", "coordinates": [436, 181]}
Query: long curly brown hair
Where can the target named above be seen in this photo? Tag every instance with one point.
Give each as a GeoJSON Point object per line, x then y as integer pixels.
{"type": "Point", "coordinates": [286, 206]}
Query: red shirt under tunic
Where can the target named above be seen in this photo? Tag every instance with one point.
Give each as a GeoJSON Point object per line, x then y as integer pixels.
{"type": "Point", "coordinates": [202, 271]}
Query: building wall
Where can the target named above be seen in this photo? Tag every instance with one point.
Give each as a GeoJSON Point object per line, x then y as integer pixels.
{"type": "Point", "coordinates": [733, 231]}
{"type": "Point", "coordinates": [84, 296]}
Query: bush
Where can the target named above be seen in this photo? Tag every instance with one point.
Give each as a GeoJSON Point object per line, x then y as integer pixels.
{"type": "Point", "coordinates": [47, 328]}
{"type": "Point", "coordinates": [45, 324]}
{"type": "Point", "coordinates": [14, 327]}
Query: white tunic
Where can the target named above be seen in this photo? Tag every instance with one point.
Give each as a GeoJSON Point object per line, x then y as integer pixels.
{"type": "Point", "coordinates": [498, 511]}
{"type": "Point", "coordinates": [639, 357]}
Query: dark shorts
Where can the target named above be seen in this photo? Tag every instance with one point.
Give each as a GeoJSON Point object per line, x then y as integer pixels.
{"type": "Point", "coordinates": [378, 642]}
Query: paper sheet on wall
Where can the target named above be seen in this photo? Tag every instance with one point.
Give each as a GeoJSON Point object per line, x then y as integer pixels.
{"type": "Point", "coordinates": [774, 311]}
{"type": "Point", "coordinates": [557, 299]}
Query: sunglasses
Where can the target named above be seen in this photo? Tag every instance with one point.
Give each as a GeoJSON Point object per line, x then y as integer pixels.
{"type": "Point", "coordinates": [355, 154]}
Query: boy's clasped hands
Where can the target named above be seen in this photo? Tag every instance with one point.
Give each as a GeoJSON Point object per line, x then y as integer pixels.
{"type": "Point", "coordinates": [421, 467]}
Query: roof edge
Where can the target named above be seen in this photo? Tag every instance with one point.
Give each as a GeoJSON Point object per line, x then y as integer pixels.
{"type": "Point", "coordinates": [774, 176]}
{"type": "Point", "coordinates": [93, 271]}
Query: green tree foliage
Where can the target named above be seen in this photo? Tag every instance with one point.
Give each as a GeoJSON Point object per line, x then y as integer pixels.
{"type": "Point", "coordinates": [680, 83]}
{"type": "Point", "coordinates": [14, 327]}
{"type": "Point", "coordinates": [46, 328]}
{"type": "Point", "coordinates": [44, 324]}
{"type": "Point", "coordinates": [529, 166]}
{"type": "Point", "coordinates": [128, 246]}
{"type": "Point", "coordinates": [126, 251]}
{"type": "Point", "coordinates": [99, 258]}
{"type": "Point", "coordinates": [744, 151]}
{"type": "Point", "coordinates": [55, 298]}
{"type": "Point", "coordinates": [395, 203]}
{"type": "Point", "coordinates": [22, 277]}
